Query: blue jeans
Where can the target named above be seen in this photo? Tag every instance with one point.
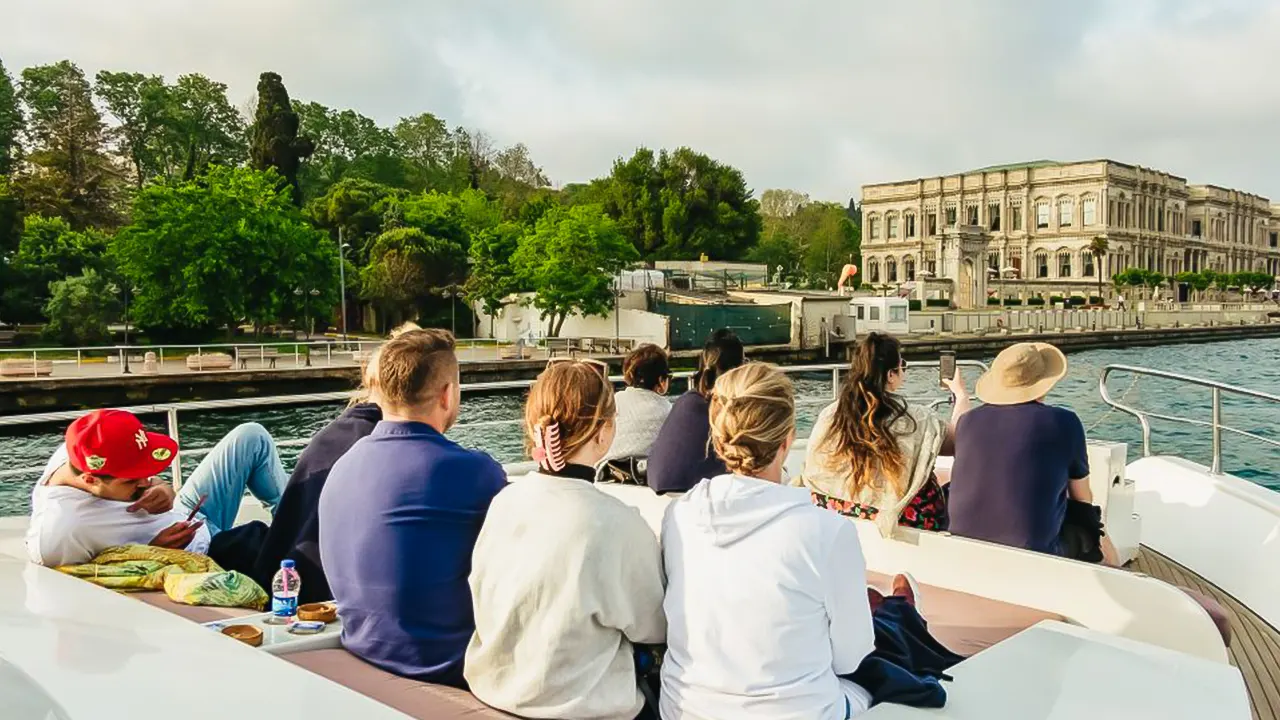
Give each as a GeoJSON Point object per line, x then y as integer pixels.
{"type": "Point", "coordinates": [246, 459]}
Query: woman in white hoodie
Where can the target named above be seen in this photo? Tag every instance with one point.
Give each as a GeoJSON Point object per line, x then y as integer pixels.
{"type": "Point", "coordinates": [564, 578]}
{"type": "Point", "coordinates": [764, 607]}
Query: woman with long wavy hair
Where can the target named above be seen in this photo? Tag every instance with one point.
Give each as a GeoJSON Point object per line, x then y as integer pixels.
{"type": "Point", "coordinates": [871, 453]}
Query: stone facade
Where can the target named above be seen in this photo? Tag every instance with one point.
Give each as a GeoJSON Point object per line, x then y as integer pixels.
{"type": "Point", "coordinates": [1027, 229]}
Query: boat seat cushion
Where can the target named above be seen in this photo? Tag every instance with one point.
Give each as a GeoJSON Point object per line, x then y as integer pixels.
{"type": "Point", "coordinates": [968, 624]}
{"type": "Point", "coordinates": [411, 697]}
{"type": "Point", "coordinates": [194, 613]}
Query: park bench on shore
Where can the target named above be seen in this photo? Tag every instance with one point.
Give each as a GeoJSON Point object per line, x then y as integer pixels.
{"type": "Point", "coordinates": [23, 367]}
{"type": "Point", "coordinates": [568, 346]}
{"type": "Point", "coordinates": [268, 356]}
{"type": "Point", "coordinates": [8, 336]}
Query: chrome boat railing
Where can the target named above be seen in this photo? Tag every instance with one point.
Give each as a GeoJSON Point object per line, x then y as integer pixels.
{"type": "Point", "coordinates": [172, 411]}
{"type": "Point", "coordinates": [1216, 426]}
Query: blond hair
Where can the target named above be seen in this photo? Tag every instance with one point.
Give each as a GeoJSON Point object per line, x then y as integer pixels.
{"type": "Point", "coordinates": [568, 406]}
{"type": "Point", "coordinates": [753, 412]}
{"type": "Point", "coordinates": [369, 373]}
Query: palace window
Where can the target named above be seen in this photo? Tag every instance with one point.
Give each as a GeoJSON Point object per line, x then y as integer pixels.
{"type": "Point", "coordinates": [931, 223]}
{"type": "Point", "coordinates": [993, 261]}
{"type": "Point", "coordinates": [1195, 228]}
{"type": "Point", "coordinates": [1015, 217]}
{"type": "Point", "coordinates": [893, 226]}
{"type": "Point", "coordinates": [951, 214]}
{"type": "Point", "coordinates": [1111, 211]}
{"type": "Point", "coordinates": [972, 212]}
{"type": "Point", "coordinates": [993, 216]}
{"type": "Point", "coordinates": [1275, 239]}
{"type": "Point", "coordinates": [891, 270]}
{"type": "Point", "coordinates": [874, 225]}
{"type": "Point", "coordinates": [931, 262]}
{"type": "Point", "coordinates": [1042, 264]}
{"type": "Point", "coordinates": [1160, 221]}
{"type": "Point", "coordinates": [1066, 209]}
{"type": "Point", "coordinates": [873, 270]}
{"type": "Point", "coordinates": [1064, 264]}
{"type": "Point", "coordinates": [911, 224]}
{"type": "Point", "coordinates": [1015, 258]}
{"type": "Point", "coordinates": [1086, 261]}
{"type": "Point", "coordinates": [909, 268]}
{"type": "Point", "coordinates": [1042, 214]}
{"type": "Point", "coordinates": [1090, 209]}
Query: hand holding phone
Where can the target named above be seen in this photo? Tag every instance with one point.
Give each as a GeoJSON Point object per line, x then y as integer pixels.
{"type": "Point", "coordinates": [196, 509]}
{"type": "Point", "coordinates": [946, 368]}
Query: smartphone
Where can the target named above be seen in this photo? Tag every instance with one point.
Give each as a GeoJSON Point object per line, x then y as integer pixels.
{"type": "Point", "coordinates": [196, 509]}
{"type": "Point", "coordinates": [946, 367]}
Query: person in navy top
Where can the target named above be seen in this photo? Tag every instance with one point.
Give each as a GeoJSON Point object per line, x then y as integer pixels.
{"type": "Point", "coordinates": [680, 456]}
{"type": "Point", "coordinates": [399, 517]}
{"type": "Point", "coordinates": [1018, 460]}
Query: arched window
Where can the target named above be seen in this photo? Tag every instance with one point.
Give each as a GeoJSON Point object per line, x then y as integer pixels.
{"type": "Point", "coordinates": [1042, 214]}
{"type": "Point", "coordinates": [891, 270]}
{"type": "Point", "coordinates": [891, 221]}
{"type": "Point", "coordinates": [1042, 264]}
{"type": "Point", "coordinates": [1087, 262]}
{"type": "Point", "coordinates": [1064, 263]}
{"type": "Point", "coordinates": [1066, 211]}
{"type": "Point", "coordinates": [873, 227]}
{"type": "Point", "coordinates": [1089, 209]}
{"type": "Point", "coordinates": [873, 270]}
{"type": "Point", "coordinates": [909, 219]}
{"type": "Point", "coordinates": [909, 268]}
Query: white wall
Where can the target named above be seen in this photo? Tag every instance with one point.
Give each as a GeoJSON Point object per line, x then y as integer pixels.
{"type": "Point", "coordinates": [515, 320]}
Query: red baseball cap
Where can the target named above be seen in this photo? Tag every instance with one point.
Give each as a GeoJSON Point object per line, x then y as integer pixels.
{"type": "Point", "coordinates": [114, 443]}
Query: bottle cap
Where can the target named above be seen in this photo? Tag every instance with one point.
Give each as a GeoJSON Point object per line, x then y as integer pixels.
{"type": "Point", "coordinates": [286, 563]}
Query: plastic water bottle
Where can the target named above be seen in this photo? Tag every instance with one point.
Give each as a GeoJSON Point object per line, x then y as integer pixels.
{"type": "Point", "coordinates": [284, 590]}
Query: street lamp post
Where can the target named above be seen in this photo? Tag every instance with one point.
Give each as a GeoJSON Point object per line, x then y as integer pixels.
{"type": "Point", "coordinates": [342, 279]}
{"type": "Point", "coordinates": [125, 292]}
{"type": "Point", "coordinates": [306, 296]}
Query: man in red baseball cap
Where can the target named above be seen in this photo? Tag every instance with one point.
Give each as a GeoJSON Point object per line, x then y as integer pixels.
{"type": "Point", "coordinates": [100, 489]}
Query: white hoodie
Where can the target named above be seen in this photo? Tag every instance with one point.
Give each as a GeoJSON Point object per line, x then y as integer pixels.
{"type": "Point", "coordinates": [766, 604]}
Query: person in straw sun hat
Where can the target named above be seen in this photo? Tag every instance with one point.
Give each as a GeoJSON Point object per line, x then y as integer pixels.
{"type": "Point", "coordinates": [1021, 473]}
{"type": "Point", "coordinates": [1022, 373]}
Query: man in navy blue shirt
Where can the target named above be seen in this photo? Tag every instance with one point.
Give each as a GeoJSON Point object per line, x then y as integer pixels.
{"type": "Point", "coordinates": [399, 517]}
{"type": "Point", "coordinates": [1018, 460]}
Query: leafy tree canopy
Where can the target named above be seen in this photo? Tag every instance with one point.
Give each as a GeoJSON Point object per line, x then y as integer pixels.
{"type": "Point", "coordinates": [79, 310]}
{"type": "Point", "coordinates": [570, 261]}
{"type": "Point", "coordinates": [225, 247]}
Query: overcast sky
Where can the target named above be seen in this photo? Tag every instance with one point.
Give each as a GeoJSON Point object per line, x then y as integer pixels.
{"type": "Point", "coordinates": [816, 95]}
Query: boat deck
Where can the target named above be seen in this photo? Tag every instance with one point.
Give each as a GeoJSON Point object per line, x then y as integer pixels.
{"type": "Point", "coordinates": [1255, 645]}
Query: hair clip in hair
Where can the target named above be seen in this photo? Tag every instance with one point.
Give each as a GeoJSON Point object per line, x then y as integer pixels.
{"type": "Point", "coordinates": [546, 447]}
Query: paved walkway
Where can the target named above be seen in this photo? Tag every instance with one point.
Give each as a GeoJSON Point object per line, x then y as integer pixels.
{"type": "Point", "coordinates": [70, 369]}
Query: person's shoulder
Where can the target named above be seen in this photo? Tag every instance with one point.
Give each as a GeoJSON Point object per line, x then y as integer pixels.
{"type": "Point", "coordinates": [1066, 417]}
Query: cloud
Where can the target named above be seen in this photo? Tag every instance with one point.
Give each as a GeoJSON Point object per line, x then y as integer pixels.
{"type": "Point", "coordinates": [821, 96]}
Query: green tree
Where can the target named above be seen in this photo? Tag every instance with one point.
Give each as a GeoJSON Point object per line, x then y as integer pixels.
{"type": "Point", "coordinates": [358, 208]}
{"type": "Point", "coordinates": [1198, 282]}
{"type": "Point", "coordinates": [493, 278]}
{"type": "Point", "coordinates": [224, 248]}
{"type": "Point", "coordinates": [274, 141]}
{"type": "Point", "coordinates": [11, 123]}
{"type": "Point", "coordinates": [202, 128]}
{"type": "Point", "coordinates": [569, 261]}
{"type": "Point", "coordinates": [407, 268]}
{"type": "Point", "coordinates": [781, 204]}
{"type": "Point", "coordinates": [828, 240]}
{"type": "Point", "coordinates": [1098, 249]}
{"type": "Point", "coordinates": [682, 205]}
{"type": "Point", "coordinates": [79, 310]}
{"type": "Point", "coordinates": [72, 176]}
{"type": "Point", "coordinates": [49, 251]}
{"type": "Point", "coordinates": [782, 254]}
{"type": "Point", "coordinates": [428, 149]}
{"type": "Point", "coordinates": [347, 145]}
{"type": "Point", "coordinates": [139, 104]}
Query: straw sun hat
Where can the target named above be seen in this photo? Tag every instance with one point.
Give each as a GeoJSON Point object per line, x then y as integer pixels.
{"type": "Point", "coordinates": [1021, 373]}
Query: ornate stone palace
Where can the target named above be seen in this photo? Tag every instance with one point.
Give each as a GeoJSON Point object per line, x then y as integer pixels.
{"type": "Point", "coordinates": [1026, 229]}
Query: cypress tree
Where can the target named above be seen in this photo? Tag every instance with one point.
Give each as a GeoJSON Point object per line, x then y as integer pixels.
{"type": "Point", "coordinates": [273, 139]}
{"type": "Point", "coordinates": [10, 123]}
